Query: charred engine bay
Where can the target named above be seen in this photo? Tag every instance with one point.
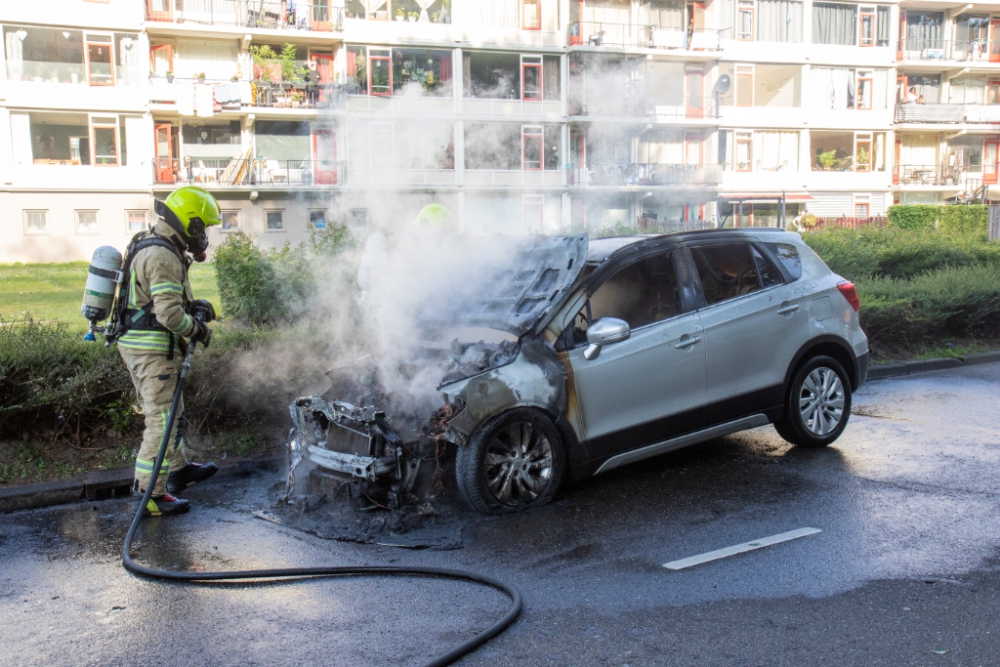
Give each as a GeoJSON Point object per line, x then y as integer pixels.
{"type": "Point", "coordinates": [376, 437]}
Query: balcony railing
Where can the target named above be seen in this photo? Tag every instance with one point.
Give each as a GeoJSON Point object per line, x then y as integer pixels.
{"type": "Point", "coordinates": [53, 72]}
{"type": "Point", "coordinates": [672, 106]}
{"type": "Point", "coordinates": [912, 112]}
{"type": "Point", "coordinates": [940, 174]}
{"type": "Point", "coordinates": [919, 48]}
{"type": "Point", "coordinates": [316, 15]}
{"type": "Point", "coordinates": [230, 95]}
{"type": "Point", "coordinates": [650, 174]}
{"type": "Point", "coordinates": [251, 172]}
{"type": "Point", "coordinates": [628, 35]}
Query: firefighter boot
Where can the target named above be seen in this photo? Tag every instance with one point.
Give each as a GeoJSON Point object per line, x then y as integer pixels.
{"type": "Point", "coordinates": [192, 473]}
{"type": "Point", "coordinates": [166, 505]}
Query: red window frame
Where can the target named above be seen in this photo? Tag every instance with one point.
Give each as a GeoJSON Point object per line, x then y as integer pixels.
{"type": "Point", "coordinates": [110, 46]}
{"type": "Point", "coordinates": [325, 166]}
{"type": "Point", "coordinates": [577, 155]}
{"type": "Point", "coordinates": [868, 16]}
{"type": "Point", "coordinates": [153, 48]}
{"type": "Point", "coordinates": [859, 142]}
{"type": "Point", "coordinates": [747, 139]}
{"type": "Point", "coordinates": [750, 9]}
{"type": "Point", "coordinates": [862, 209]}
{"type": "Point", "coordinates": [529, 22]}
{"type": "Point", "coordinates": [744, 79]}
{"type": "Point", "coordinates": [537, 95]}
{"type": "Point", "coordinates": [371, 71]}
{"type": "Point", "coordinates": [858, 97]}
{"type": "Point", "coordinates": [694, 141]}
{"type": "Point", "coordinates": [529, 133]}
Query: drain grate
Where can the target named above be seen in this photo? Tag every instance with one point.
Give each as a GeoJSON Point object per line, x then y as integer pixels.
{"type": "Point", "coordinates": [101, 484]}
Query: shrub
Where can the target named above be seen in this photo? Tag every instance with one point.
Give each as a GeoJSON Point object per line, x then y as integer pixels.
{"type": "Point", "coordinates": [915, 217]}
{"type": "Point", "coordinates": [266, 286]}
{"type": "Point", "coordinates": [964, 219]}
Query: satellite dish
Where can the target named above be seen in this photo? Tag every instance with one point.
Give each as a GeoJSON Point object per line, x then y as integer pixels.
{"type": "Point", "coordinates": [722, 85]}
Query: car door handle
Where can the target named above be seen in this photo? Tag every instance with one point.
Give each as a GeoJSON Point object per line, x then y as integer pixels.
{"type": "Point", "coordinates": [688, 343]}
{"type": "Point", "coordinates": [788, 309]}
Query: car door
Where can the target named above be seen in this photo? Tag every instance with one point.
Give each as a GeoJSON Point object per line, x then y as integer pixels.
{"type": "Point", "coordinates": [627, 394]}
{"type": "Point", "coordinates": [750, 324]}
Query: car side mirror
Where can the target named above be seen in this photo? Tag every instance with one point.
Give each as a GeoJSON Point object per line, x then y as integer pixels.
{"type": "Point", "coordinates": [605, 331]}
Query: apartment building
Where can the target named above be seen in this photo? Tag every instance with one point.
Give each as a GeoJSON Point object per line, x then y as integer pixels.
{"type": "Point", "coordinates": [521, 116]}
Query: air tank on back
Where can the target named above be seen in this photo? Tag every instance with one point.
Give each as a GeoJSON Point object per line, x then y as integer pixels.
{"type": "Point", "coordinates": [103, 277]}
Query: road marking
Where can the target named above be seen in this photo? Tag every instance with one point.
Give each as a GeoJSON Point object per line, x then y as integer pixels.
{"type": "Point", "coordinates": [740, 548]}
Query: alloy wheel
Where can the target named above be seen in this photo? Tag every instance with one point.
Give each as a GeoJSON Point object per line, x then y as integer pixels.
{"type": "Point", "coordinates": [821, 401]}
{"type": "Point", "coordinates": [518, 464]}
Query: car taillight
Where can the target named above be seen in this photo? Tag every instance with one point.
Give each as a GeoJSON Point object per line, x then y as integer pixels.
{"type": "Point", "coordinates": [850, 293]}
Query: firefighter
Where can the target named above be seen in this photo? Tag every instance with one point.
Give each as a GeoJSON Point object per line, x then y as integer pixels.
{"type": "Point", "coordinates": [153, 324]}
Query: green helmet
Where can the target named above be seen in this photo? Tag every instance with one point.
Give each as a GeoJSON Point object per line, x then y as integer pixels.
{"type": "Point", "coordinates": [195, 208]}
{"type": "Point", "coordinates": [436, 217]}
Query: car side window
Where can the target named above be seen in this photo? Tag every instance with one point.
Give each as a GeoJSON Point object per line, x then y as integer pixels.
{"type": "Point", "coordinates": [769, 273]}
{"type": "Point", "coordinates": [726, 271]}
{"type": "Point", "coordinates": [640, 293]}
{"type": "Point", "coordinates": [788, 255]}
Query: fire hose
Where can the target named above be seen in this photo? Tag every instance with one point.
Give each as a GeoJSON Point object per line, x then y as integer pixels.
{"type": "Point", "coordinates": [311, 572]}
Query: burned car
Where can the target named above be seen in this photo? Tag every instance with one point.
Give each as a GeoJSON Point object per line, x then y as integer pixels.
{"type": "Point", "coordinates": [605, 352]}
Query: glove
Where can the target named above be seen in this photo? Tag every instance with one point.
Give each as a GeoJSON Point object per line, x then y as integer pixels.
{"type": "Point", "coordinates": [201, 334]}
{"type": "Point", "coordinates": [202, 310]}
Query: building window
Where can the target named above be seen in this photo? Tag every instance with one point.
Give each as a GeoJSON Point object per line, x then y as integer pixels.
{"type": "Point", "coordinates": [745, 20]}
{"type": "Point", "coordinates": [36, 222]}
{"type": "Point", "coordinates": [532, 13]}
{"type": "Point", "coordinates": [744, 151]}
{"type": "Point", "coordinates": [230, 221]}
{"type": "Point", "coordinates": [744, 85]}
{"type": "Point", "coordinates": [136, 221]}
{"type": "Point", "coordinates": [848, 151]}
{"type": "Point", "coordinates": [866, 27]}
{"type": "Point", "coordinates": [862, 206]}
{"type": "Point", "coordinates": [357, 218]}
{"type": "Point", "coordinates": [104, 139]}
{"type": "Point", "coordinates": [380, 80]}
{"type": "Point", "coordinates": [86, 222]}
{"type": "Point", "coordinates": [100, 60]}
{"type": "Point", "coordinates": [533, 213]}
{"type": "Point", "coordinates": [531, 147]}
{"type": "Point", "coordinates": [864, 96]}
{"type": "Point", "coordinates": [531, 78]}
{"type": "Point", "coordinates": [275, 221]}
{"type": "Point", "coordinates": [317, 219]}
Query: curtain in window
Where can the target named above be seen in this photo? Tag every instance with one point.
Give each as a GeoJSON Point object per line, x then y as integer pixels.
{"type": "Point", "coordinates": [779, 21]}
{"type": "Point", "coordinates": [923, 30]}
{"type": "Point", "coordinates": [550, 78]}
{"type": "Point", "coordinates": [15, 55]}
{"type": "Point", "coordinates": [835, 24]}
{"type": "Point", "coordinates": [494, 13]}
{"type": "Point", "coordinates": [882, 34]}
{"type": "Point", "coordinates": [217, 59]}
{"type": "Point", "coordinates": [776, 151]}
{"type": "Point", "coordinates": [967, 91]}
{"type": "Point", "coordinates": [831, 88]}
{"type": "Point", "coordinates": [424, 4]}
{"type": "Point", "coordinates": [128, 57]}
{"type": "Point", "coordinates": [444, 63]}
{"type": "Point", "coordinates": [880, 91]}
{"type": "Point", "coordinates": [728, 12]}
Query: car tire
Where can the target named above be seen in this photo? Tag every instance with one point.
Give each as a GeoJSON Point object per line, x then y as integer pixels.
{"type": "Point", "coordinates": [817, 405]}
{"type": "Point", "coordinates": [513, 462]}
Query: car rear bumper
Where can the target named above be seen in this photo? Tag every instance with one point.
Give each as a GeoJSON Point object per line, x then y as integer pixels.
{"type": "Point", "coordinates": [860, 370]}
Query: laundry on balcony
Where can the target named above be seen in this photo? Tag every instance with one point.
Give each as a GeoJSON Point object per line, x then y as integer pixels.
{"type": "Point", "coordinates": [204, 98]}
{"type": "Point", "coordinates": [185, 98]}
{"type": "Point", "coordinates": [228, 95]}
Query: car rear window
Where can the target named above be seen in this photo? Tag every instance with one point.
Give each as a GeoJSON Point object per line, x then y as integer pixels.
{"type": "Point", "coordinates": [788, 255]}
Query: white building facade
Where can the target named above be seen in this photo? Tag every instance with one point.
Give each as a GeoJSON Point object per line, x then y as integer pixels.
{"type": "Point", "coordinates": [522, 116]}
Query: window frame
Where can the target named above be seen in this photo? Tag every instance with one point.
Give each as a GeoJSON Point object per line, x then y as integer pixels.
{"type": "Point", "coordinates": [267, 224]}
{"type": "Point", "coordinates": [239, 220]}
{"type": "Point", "coordinates": [862, 76]}
{"type": "Point", "coordinates": [324, 213]}
{"type": "Point", "coordinates": [537, 18]}
{"type": "Point", "coordinates": [527, 132]}
{"type": "Point", "coordinates": [862, 139]}
{"type": "Point", "coordinates": [743, 71]}
{"type": "Point", "coordinates": [93, 126]}
{"type": "Point", "coordinates": [749, 7]}
{"type": "Point", "coordinates": [870, 12]}
{"type": "Point", "coordinates": [696, 275]}
{"type": "Point", "coordinates": [532, 202]}
{"type": "Point", "coordinates": [30, 211]}
{"type": "Point", "coordinates": [145, 217]}
{"type": "Point", "coordinates": [532, 62]}
{"type": "Point", "coordinates": [76, 221]}
{"type": "Point", "coordinates": [862, 200]}
{"type": "Point", "coordinates": [746, 138]}
{"type": "Point", "coordinates": [87, 43]}
{"type": "Point", "coordinates": [371, 70]}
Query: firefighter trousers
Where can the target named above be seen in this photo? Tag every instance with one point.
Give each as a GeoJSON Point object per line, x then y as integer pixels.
{"type": "Point", "coordinates": [155, 378]}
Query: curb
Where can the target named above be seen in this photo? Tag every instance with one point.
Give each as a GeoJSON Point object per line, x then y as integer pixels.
{"type": "Point", "coordinates": [113, 483]}
{"type": "Point", "coordinates": [910, 367]}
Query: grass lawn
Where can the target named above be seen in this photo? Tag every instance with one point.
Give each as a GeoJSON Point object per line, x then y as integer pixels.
{"type": "Point", "coordinates": [50, 292]}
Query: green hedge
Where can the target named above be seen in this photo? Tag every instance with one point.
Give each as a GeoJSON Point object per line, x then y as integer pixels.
{"type": "Point", "coordinates": [953, 301]}
{"type": "Point", "coordinates": [952, 218]}
{"type": "Point", "coordinates": [899, 253]}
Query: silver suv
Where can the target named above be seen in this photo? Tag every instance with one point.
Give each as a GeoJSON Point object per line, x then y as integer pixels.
{"type": "Point", "coordinates": [616, 350]}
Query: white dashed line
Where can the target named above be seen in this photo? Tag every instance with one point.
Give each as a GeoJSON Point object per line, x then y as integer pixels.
{"type": "Point", "coordinates": [740, 548]}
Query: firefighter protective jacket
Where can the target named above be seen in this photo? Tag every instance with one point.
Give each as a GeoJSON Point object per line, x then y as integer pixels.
{"type": "Point", "coordinates": [159, 275]}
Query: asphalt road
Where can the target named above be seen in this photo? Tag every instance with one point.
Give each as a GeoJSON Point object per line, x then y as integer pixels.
{"type": "Point", "coordinates": [906, 570]}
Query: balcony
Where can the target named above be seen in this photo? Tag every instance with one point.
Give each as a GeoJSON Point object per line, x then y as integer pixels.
{"type": "Point", "coordinates": [234, 95]}
{"type": "Point", "coordinates": [628, 35]}
{"type": "Point", "coordinates": [316, 16]}
{"type": "Point", "coordinates": [657, 106]}
{"type": "Point", "coordinates": [256, 173]}
{"type": "Point", "coordinates": [649, 174]}
{"type": "Point", "coordinates": [947, 113]}
{"type": "Point", "coordinates": [931, 51]}
{"type": "Point", "coordinates": [956, 176]}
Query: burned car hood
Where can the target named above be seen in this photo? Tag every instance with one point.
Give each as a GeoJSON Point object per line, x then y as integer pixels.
{"type": "Point", "coordinates": [513, 295]}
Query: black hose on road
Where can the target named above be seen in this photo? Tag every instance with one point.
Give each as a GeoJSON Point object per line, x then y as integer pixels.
{"type": "Point", "coordinates": [330, 571]}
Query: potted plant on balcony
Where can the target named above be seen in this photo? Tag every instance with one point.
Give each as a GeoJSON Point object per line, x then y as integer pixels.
{"type": "Point", "coordinates": [827, 160]}
{"type": "Point", "coordinates": [201, 77]}
{"type": "Point", "coordinates": [400, 15]}
{"type": "Point", "coordinates": [266, 65]}
{"type": "Point", "coordinates": [170, 77]}
{"type": "Point", "coordinates": [413, 16]}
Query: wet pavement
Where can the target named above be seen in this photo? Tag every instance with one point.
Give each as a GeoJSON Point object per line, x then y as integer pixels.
{"type": "Point", "coordinates": [906, 570]}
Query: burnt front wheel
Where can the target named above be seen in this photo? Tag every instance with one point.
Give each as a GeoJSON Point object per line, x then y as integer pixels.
{"type": "Point", "coordinates": [512, 462]}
